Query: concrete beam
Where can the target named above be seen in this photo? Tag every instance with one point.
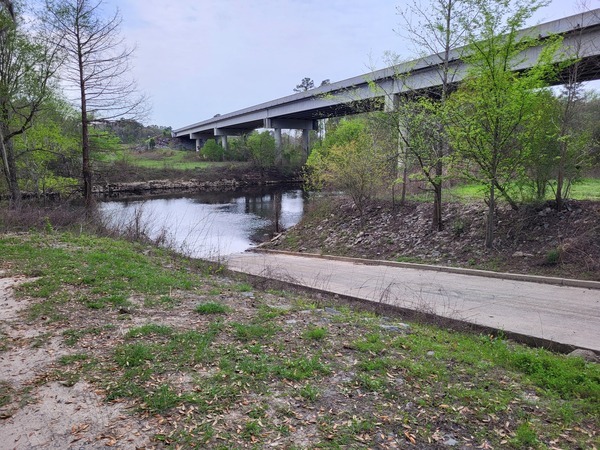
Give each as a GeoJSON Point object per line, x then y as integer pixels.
{"type": "Point", "coordinates": [231, 131]}
{"type": "Point", "coordinates": [291, 124]}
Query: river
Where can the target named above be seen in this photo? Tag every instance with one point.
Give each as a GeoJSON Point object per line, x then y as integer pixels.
{"type": "Point", "coordinates": [211, 224]}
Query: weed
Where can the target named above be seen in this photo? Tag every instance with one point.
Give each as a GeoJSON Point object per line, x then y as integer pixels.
{"type": "Point", "coordinates": [132, 355]}
{"type": "Point", "coordinates": [553, 257]}
{"type": "Point", "coordinates": [249, 332]}
{"type": "Point", "coordinates": [458, 227]}
{"type": "Point", "coordinates": [371, 343]}
{"type": "Point", "coordinates": [211, 308]}
{"type": "Point", "coordinates": [309, 392]}
{"type": "Point", "coordinates": [162, 399]}
{"type": "Point", "coordinates": [251, 430]}
{"type": "Point", "coordinates": [315, 333]}
{"type": "Point", "coordinates": [525, 437]}
{"type": "Point", "coordinates": [6, 393]}
{"type": "Point", "coordinates": [244, 287]}
{"type": "Point", "coordinates": [301, 368]}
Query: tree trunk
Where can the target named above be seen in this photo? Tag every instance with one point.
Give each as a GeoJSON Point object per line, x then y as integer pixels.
{"type": "Point", "coordinates": [560, 180]}
{"type": "Point", "coordinates": [437, 208]}
{"type": "Point", "coordinates": [86, 170]}
{"type": "Point", "coordinates": [436, 222]}
{"type": "Point", "coordinates": [9, 167]}
{"type": "Point", "coordinates": [489, 228]}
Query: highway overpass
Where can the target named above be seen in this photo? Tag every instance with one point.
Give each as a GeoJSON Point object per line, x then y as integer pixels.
{"type": "Point", "coordinates": [581, 34]}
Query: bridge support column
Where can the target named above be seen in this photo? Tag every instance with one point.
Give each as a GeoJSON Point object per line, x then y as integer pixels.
{"type": "Point", "coordinates": [200, 139]}
{"type": "Point", "coordinates": [305, 144]}
{"type": "Point", "coordinates": [306, 125]}
{"type": "Point", "coordinates": [225, 144]}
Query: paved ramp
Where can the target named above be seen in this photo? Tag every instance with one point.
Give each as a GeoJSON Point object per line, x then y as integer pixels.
{"type": "Point", "coordinates": [565, 315]}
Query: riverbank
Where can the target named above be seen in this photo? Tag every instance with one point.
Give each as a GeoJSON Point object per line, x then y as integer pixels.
{"type": "Point", "coordinates": [535, 240]}
{"type": "Point", "coordinates": [111, 343]}
{"type": "Point", "coordinates": [123, 179]}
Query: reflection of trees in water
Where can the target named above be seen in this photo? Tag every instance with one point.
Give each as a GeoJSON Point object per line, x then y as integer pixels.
{"type": "Point", "coordinates": [270, 209]}
{"type": "Point", "coordinates": [266, 207]}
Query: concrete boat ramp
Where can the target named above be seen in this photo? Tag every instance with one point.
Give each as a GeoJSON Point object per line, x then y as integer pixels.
{"type": "Point", "coordinates": [557, 313]}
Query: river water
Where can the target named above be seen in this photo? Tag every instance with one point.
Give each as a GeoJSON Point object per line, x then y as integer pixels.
{"type": "Point", "coordinates": [211, 224]}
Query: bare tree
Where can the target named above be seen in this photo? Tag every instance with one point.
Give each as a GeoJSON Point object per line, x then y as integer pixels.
{"type": "Point", "coordinates": [27, 65]}
{"type": "Point", "coordinates": [98, 69]}
{"type": "Point", "coordinates": [572, 148]}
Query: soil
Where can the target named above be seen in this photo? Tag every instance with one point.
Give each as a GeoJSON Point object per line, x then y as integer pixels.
{"type": "Point", "coordinates": [533, 240]}
{"type": "Point", "coordinates": [53, 414]}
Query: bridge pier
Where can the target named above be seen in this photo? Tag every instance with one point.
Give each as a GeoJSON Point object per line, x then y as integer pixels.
{"type": "Point", "coordinates": [200, 139]}
{"type": "Point", "coordinates": [306, 125]}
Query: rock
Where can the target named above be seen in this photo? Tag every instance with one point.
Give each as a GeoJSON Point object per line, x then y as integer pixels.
{"type": "Point", "coordinates": [588, 355]}
{"type": "Point", "coordinates": [332, 311]}
{"type": "Point", "coordinates": [395, 328]}
{"type": "Point", "coordinates": [248, 294]}
{"type": "Point", "coordinates": [430, 353]}
{"type": "Point", "coordinates": [450, 441]}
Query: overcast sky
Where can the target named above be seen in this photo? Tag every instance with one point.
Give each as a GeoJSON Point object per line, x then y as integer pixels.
{"type": "Point", "coordinates": [197, 58]}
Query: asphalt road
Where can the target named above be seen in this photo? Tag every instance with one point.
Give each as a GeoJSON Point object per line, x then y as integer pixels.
{"type": "Point", "coordinates": [560, 314]}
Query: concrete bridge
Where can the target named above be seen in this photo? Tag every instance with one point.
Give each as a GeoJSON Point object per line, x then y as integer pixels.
{"type": "Point", "coordinates": [382, 88]}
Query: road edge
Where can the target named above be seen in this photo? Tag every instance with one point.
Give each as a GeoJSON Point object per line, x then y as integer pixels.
{"type": "Point", "coordinates": [586, 284]}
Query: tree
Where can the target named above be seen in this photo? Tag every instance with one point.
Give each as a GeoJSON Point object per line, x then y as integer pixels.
{"type": "Point", "coordinates": [350, 159]}
{"type": "Point", "coordinates": [262, 149]}
{"type": "Point", "coordinates": [305, 85]}
{"type": "Point", "coordinates": [97, 69]}
{"type": "Point", "coordinates": [212, 151]}
{"type": "Point", "coordinates": [493, 103]}
{"type": "Point", "coordinates": [573, 143]}
{"type": "Point", "coordinates": [27, 65]}
{"type": "Point", "coordinates": [435, 28]}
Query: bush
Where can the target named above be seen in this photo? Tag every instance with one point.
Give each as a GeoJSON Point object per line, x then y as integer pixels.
{"type": "Point", "coordinates": [262, 149]}
{"type": "Point", "coordinates": [212, 151]}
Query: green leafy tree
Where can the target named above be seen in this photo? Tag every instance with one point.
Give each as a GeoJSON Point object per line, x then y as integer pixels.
{"type": "Point", "coordinates": [48, 150]}
{"type": "Point", "coordinates": [212, 151]}
{"type": "Point", "coordinates": [435, 27]}
{"type": "Point", "coordinates": [27, 65]}
{"type": "Point", "coordinates": [262, 149]}
{"type": "Point", "coordinates": [349, 159]}
{"type": "Point", "coordinates": [493, 103]}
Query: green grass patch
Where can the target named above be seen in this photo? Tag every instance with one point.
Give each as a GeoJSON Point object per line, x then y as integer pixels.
{"type": "Point", "coordinates": [107, 270]}
{"type": "Point", "coordinates": [132, 355]}
{"type": "Point", "coordinates": [6, 393]}
{"type": "Point", "coordinates": [169, 159]}
{"type": "Point", "coordinates": [315, 333]}
{"type": "Point", "coordinates": [211, 308]}
{"type": "Point", "coordinates": [250, 332]}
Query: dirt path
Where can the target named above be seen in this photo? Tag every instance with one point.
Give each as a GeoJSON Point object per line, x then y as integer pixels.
{"type": "Point", "coordinates": [58, 415]}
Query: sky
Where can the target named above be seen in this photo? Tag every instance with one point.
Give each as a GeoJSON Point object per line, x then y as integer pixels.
{"type": "Point", "coordinates": [198, 58]}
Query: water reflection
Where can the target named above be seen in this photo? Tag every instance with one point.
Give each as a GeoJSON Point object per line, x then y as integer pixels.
{"type": "Point", "coordinates": [210, 225]}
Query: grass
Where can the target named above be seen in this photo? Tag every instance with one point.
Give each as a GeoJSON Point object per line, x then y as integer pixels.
{"type": "Point", "coordinates": [281, 369]}
{"type": "Point", "coordinates": [211, 308]}
{"type": "Point", "coordinates": [169, 159]}
{"type": "Point", "coordinates": [584, 189]}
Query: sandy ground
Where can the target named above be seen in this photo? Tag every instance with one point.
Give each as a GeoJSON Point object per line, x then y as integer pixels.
{"type": "Point", "coordinates": [57, 416]}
